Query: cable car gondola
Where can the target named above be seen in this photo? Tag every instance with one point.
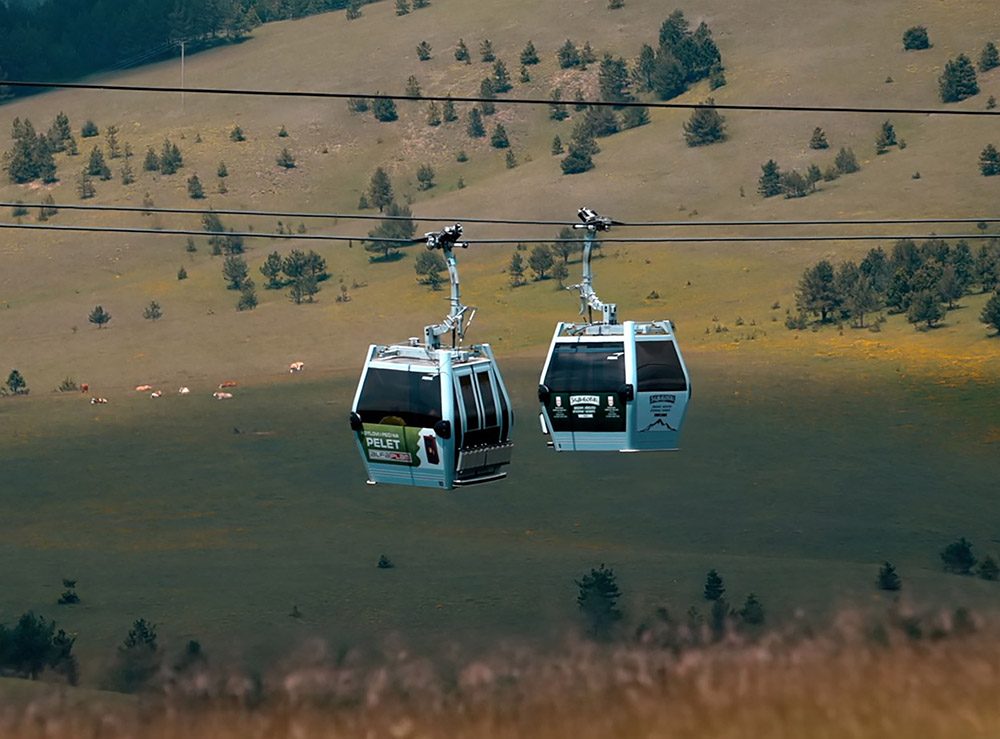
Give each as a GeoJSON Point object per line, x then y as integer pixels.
{"type": "Point", "coordinates": [609, 386]}
{"type": "Point", "coordinates": [434, 416]}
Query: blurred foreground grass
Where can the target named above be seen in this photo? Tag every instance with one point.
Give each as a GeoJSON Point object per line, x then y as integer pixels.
{"type": "Point", "coordinates": [933, 675]}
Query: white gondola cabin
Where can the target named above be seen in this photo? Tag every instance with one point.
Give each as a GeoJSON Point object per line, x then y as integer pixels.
{"type": "Point", "coordinates": [609, 386]}
{"type": "Point", "coordinates": [434, 416]}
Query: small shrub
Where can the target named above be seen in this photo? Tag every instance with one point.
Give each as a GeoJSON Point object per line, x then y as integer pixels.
{"type": "Point", "coordinates": [887, 578]}
{"type": "Point", "coordinates": [182, 274]}
{"type": "Point", "coordinates": [989, 569]}
{"type": "Point", "coordinates": [68, 385]}
{"type": "Point", "coordinates": [384, 563]}
{"type": "Point", "coordinates": [957, 557]}
{"type": "Point", "coordinates": [714, 587]}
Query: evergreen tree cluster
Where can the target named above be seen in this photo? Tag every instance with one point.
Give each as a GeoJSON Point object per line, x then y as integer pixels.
{"type": "Point", "coordinates": [681, 58]}
{"type": "Point", "coordinates": [57, 40]}
{"type": "Point", "coordinates": [31, 156]}
{"type": "Point", "coordinates": [958, 80]}
{"type": "Point", "coordinates": [33, 646]}
{"type": "Point", "coordinates": [794, 184]}
{"type": "Point", "coordinates": [300, 271]}
{"type": "Point", "coordinates": [917, 280]}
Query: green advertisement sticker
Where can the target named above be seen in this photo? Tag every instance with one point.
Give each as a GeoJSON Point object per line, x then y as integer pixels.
{"type": "Point", "coordinates": [391, 444]}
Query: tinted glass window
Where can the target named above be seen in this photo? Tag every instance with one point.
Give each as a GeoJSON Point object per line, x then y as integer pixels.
{"type": "Point", "coordinates": [414, 397]}
{"type": "Point", "coordinates": [489, 404]}
{"type": "Point", "coordinates": [658, 367]}
{"type": "Point", "coordinates": [587, 367]}
{"type": "Point", "coordinates": [469, 401]}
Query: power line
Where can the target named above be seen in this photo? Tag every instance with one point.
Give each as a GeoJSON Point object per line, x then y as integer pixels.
{"type": "Point", "coordinates": [322, 94]}
{"type": "Point", "coordinates": [614, 240]}
{"type": "Point", "coordinates": [284, 214]}
{"type": "Point", "coordinates": [497, 221]}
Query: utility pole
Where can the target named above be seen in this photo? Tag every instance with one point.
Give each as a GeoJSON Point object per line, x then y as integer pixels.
{"type": "Point", "coordinates": [182, 77]}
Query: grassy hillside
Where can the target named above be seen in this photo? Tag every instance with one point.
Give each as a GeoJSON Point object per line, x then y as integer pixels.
{"type": "Point", "coordinates": [808, 457]}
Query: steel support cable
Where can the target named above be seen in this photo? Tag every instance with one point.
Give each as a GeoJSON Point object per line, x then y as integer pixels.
{"type": "Point", "coordinates": [322, 94]}
{"type": "Point", "coordinates": [497, 221]}
{"type": "Point", "coordinates": [494, 241]}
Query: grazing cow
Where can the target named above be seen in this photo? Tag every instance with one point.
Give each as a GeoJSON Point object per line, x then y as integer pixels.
{"type": "Point", "coordinates": [222, 396]}
{"type": "Point", "coordinates": [143, 388]}
{"type": "Point", "coordinates": [96, 401]}
{"type": "Point", "coordinates": [85, 388]}
{"type": "Point", "coordinates": [156, 394]}
{"type": "Point", "coordinates": [184, 391]}
{"type": "Point", "coordinates": [227, 383]}
{"type": "Point", "coordinates": [296, 366]}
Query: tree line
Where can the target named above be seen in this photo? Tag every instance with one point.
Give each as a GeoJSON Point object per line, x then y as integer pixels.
{"type": "Point", "coordinates": [918, 280]}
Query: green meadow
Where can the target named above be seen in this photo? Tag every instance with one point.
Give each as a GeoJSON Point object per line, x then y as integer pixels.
{"type": "Point", "coordinates": [808, 458]}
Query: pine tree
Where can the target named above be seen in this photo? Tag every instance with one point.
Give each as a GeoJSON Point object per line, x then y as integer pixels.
{"type": "Point", "coordinates": [925, 307]}
{"type": "Point", "coordinates": [392, 234]}
{"type": "Point", "coordinates": [60, 132]}
{"type": "Point", "coordinates": [384, 109]}
{"type": "Point", "coordinates": [989, 569]}
{"type": "Point", "coordinates": [557, 110]}
{"type": "Point", "coordinates": [462, 52]}
{"type": "Point", "coordinates": [152, 312]}
{"type": "Point", "coordinates": [428, 265]}
{"type": "Point", "coordinates": [989, 161]}
{"type": "Point", "coordinates": [486, 51]}
{"type": "Point", "coordinates": [235, 272]}
{"type": "Point", "coordinates": [991, 313]}
{"type": "Point", "coordinates": [501, 79]}
{"type": "Point", "coordinates": [524, 75]}
{"type": "Point", "coordinates": [248, 297]}
{"type": "Point", "coordinates": [182, 274]}
{"type": "Point", "coordinates": [714, 587]}
{"type": "Point", "coordinates": [425, 177]}
{"type": "Point", "coordinates": [716, 77]}
{"type": "Point", "coordinates": [516, 270]}
{"type": "Point", "coordinates": [887, 578]}
{"type": "Point", "coordinates": [487, 91]}
{"type": "Point", "coordinates": [152, 162]}
{"type": "Point", "coordinates": [915, 38]}
{"type": "Point", "coordinates": [236, 134]}
{"type": "Point", "coordinates": [423, 51]}
{"type": "Point", "coordinates": [412, 86]}
{"type": "Point", "coordinates": [433, 114]}
{"type": "Point", "coordinates": [499, 138]}
{"type": "Point", "coordinates": [769, 183]}
{"type": "Point", "coordinates": [88, 130]}
{"type": "Point", "coordinates": [958, 81]}
{"type": "Point", "coordinates": [958, 558]}
{"type": "Point", "coordinates": [568, 55]}
{"type": "Point", "coordinates": [989, 58]}
{"type": "Point", "coordinates": [286, 159]}
{"type": "Point", "coordinates": [170, 158]}
{"type": "Point", "coordinates": [645, 68]}
{"type": "Point", "coordinates": [557, 146]}
{"type": "Point", "coordinates": [597, 600]}
{"type": "Point", "coordinates": [635, 116]}
{"type": "Point", "coordinates": [380, 189]}
{"type": "Point", "coordinates": [582, 147]}
{"type": "Point", "coordinates": [85, 186]}
{"type": "Point", "coordinates": [706, 125]}
{"type": "Point", "coordinates": [817, 291]}
{"type": "Point", "coordinates": [402, 7]}
{"type": "Point", "coordinates": [474, 127]}
{"type": "Point", "coordinates": [510, 161]}
{"type": "Point", "coordinates": [540, 261]}
{"type": "Point", "coordinates": [448, 110]}
{"type": "Point", "coordinates": [818, 140]}
{"type": "Point", "coordinates": [580, 103]}
{"type": "Point", "coordinates": [587, 55]}
{"type": "Point", "coordinates": [271, 269]}
{"type": "Point", "coordinates": [111, 138]}
{"type": "Point", "coordinates": [16, 384]}
{"type": "Point", "coordinates": [353, 9]}
{"type": "Point", "coordinates": [845, 161]}
{"type": "Point", "coordinates": [528, 55]}
{"type": "Point", "coordinates": [195, 191]}
{"type": "Point", "coordinates": [99, 317]}
{"type": "Point", "coordinates": [669, 76]}
{"type": "Point", "coordinates": [97, 167]}
{"type": "Point", "coordinates": [613, 79]}
{"type": "Point", "coordinates": [601, 121]}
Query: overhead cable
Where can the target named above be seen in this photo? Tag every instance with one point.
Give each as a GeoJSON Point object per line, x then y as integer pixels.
{"type": "Point", "coordinates": [323, 94]}
{"type": "Point", "coordinates": [376, 239]}
{"type": "Point", "coordinates": [497, 221]}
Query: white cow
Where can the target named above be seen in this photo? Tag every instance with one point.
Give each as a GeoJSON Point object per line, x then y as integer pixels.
{"type": "Point", "coordinates": [296, 366]}
{"type": "Point", "coordinates": [184, 391]}
{"type": "Point", "coordinates": [96, 401]}
{"type": "Point", "coordinates": [222, 396]}
{"type": "Point", "coordinates": [156, 394]}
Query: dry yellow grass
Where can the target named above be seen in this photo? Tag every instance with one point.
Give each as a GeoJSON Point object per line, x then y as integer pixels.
{"type": "Point", "coordinates": [840, 685]}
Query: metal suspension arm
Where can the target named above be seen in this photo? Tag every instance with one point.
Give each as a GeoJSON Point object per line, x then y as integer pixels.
{"type": "Point", "coordinates": [589, 301]}
{"type": "Point", "coordinates": [454, 323]}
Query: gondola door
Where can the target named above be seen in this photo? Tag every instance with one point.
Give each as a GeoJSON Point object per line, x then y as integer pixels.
{"type": "Point", "coordinates": [483, 422]}
{"type": "Point", "coordinates": [661, 392]}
